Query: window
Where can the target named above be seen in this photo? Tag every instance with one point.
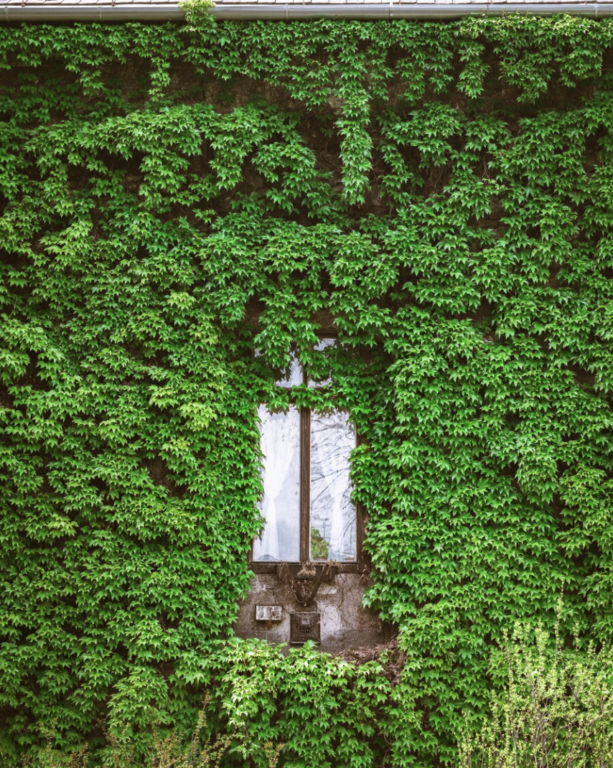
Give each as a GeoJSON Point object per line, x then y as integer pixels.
{"type": "Point", "coordinates": [307, 507]}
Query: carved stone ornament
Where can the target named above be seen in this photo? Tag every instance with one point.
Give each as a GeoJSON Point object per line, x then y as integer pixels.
{"type": "Point", "coordinates": [307, 581]}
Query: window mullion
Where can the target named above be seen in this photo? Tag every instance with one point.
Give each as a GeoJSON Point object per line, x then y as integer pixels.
{"type": "Point", "coordinates": [305, 483]}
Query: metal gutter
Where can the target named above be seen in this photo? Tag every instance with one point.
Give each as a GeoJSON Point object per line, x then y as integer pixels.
{"type": "Point", "coordinates": [286, 11]}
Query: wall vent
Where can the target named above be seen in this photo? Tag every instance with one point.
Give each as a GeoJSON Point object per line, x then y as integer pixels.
{"type": "Point", "coordinates": [303, 627]}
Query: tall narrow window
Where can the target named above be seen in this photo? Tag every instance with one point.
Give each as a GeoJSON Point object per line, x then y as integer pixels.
{"type": "Point", "coordinates": [307, 507]}
{"type": "Point", "coordinates": [280, 507]}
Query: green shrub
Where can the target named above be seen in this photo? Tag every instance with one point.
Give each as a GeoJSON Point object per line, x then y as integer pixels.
{"type": "Point", "coordinates": [556, 709]}
{"type": "Point", "coordinates": [262, 708]}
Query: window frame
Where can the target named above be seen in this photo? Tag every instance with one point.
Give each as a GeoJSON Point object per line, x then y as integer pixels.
{"type": "Point", "coordinates": [354, 566]}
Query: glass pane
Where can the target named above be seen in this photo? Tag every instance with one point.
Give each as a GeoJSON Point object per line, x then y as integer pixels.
{"type": "Point", "coordinates": [293, 377]}
{"type": "Point", "coordinates": [293, 374]}
{"type": "Point", "coordinates": [333, 516]}
{"type": "Point", "coordinates": [319, 347]}
{"type": "Point", "coordinates": [280, 506]}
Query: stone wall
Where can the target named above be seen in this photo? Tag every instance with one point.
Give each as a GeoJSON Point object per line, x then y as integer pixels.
{"type": "Point", "coordinates": [344, 623]}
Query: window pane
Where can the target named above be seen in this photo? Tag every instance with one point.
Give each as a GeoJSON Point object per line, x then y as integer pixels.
{"type": "Point", "coordinates": [321, 345]}
{"type": "Point", "coordinates": [293, 373]}
{"type": "Point", "coordinates": [293, 376]}
{"type": "Point", "coordinates": [333, 516]}
{"type": "Point", "coordinates": [280, 506]}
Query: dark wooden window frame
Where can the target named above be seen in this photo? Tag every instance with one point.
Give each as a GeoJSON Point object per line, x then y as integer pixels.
{"type": "Point", "coordinates": [356, 566]}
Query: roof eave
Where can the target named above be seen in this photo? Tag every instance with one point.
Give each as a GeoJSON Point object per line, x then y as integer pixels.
{"type": "Point", "coordinates": [40, 12]}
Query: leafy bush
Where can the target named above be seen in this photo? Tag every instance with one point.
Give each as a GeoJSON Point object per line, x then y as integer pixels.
{"type": "Point", "coordinates": [556, 710]}
{"type": "Point", "coordinates": [261, 708]}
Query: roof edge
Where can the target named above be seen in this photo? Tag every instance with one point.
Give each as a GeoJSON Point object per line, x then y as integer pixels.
{"type": "Point", "coordinates": [286, 11]}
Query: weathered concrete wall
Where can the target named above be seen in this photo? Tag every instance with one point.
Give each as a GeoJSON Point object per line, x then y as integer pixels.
{"type": "Point", "coordinates": [344, 622]}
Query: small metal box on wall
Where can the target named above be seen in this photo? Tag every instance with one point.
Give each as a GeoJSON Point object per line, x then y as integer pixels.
{"type": "Point", "coordinates": [268, 613]}
{"type": "Point", "coordinates": [303, 627]}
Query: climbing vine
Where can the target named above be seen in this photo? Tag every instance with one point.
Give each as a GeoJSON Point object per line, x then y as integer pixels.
{"type": "Point", "coordinates": [173, 196]}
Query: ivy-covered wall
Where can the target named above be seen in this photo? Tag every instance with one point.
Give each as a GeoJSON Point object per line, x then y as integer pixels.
{"type": "Point", "coordinates": [445, 191]}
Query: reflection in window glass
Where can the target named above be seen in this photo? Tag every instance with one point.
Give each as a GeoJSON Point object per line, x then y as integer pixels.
{"type": "Point", "coordinates": [333, 516]}
{"type": "Point", "coordinates": [293, 376]}
{"type": "Point", "coordinates": [293, 373]}
{"type": "Point", "coordinates": [324, 343]}
{"type": "Point", "coordinates": [280, 506]}
{"type": "Point", "coordinates": [321, 345]}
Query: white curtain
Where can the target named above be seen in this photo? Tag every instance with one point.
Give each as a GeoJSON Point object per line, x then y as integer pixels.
{"type": "Point", "coordinates": [280, 436]}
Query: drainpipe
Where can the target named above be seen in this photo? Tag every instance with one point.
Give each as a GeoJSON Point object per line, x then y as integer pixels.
{"type": "Point", "coordinates": [42, 11]}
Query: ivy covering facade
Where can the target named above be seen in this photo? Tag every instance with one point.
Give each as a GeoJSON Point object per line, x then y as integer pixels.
{"type": "Point", "coordinates": [445, 191]}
